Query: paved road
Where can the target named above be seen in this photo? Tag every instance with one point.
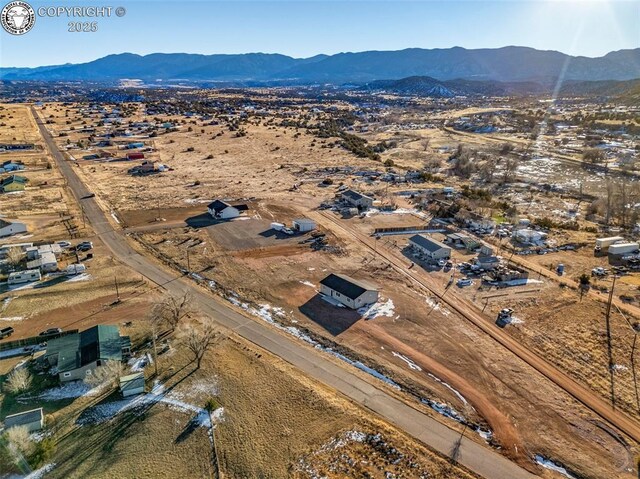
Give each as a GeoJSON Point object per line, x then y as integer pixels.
{"type": "Point", "coordinates": [472, 455]}
{"type": "Point", "coordinates": [468, 310]}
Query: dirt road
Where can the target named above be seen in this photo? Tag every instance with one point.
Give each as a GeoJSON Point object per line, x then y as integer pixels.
{"type": "Point", "coordinates": [470, 454]}
{"type": "Point", "coordinates": [469, 311]}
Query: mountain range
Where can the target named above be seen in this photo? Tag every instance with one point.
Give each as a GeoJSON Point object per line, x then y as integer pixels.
{"type": "Point", "coordinates": [507, 64]}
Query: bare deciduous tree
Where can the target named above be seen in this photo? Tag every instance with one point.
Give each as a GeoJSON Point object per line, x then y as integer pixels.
{"type": "Point", "coordinates": [172, 310]}
{"type": "Point", "coordinates": [108, 373]}
{"type": "Point", "coordinates": [14, 256]}
{"type": "Point", "coordinates": [425, 144]}
{"type": "Point", "coordinates": [19, 441]}
{"type": "Point", "coordinates": [198, 339]}
{"type": "Point", "coordinates": [19, 380]}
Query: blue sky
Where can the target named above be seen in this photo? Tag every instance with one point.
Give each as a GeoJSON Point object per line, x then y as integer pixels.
{"type": "Point", "coordinates": [304, 28]}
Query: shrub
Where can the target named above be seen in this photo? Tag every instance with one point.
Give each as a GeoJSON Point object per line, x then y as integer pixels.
{"type": "Point", "coordinates": [19, 380]}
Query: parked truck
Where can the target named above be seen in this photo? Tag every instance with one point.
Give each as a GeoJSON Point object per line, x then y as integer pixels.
{"type": "Point", "coordinates": [282, 228]}
{"type": "Point", "coordinates": [603, 243]}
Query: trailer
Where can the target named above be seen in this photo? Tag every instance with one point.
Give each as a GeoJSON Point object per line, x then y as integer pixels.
{"type": "Point", "coordinates": [603, 243]}
{"type": "Point", "coordinates": [6, 332]}
{"type": "Point", "coordinates": [26, 276]}
{"type": "Point", "coordinates": [619, 249]}
{"type": "Point", "coordinates": [135, 156]}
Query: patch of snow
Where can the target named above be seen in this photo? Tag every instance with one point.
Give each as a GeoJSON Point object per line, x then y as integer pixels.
{"type": "Point", "coordinates": [548, 464]}
{"type": "Point", "coordinates": [113, 215]}
{"type": "Point", "coordinates": [79, 277]}
{"type": "Point", "coordinates": [13, 318]}
{"type": "Point", "coordinates": [138, 364]}
{"type": "Point", "coordinates": [377, 309]}
{"type": "Point", "coordinates": [448, 386]}
{"type": "Point", "coordinates": [436, 306]}
{"type": "Point", "coordinates": [39, 473]}
{"type": "Point", "coordinates": [308, 283]}
{"type": "Point", "coordinates": [70, 390]}
{"type": "Point", "coordinates": [409, 362]}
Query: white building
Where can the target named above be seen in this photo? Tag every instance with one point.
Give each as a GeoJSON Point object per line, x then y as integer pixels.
{"type": "Point", "coordinates": [351, 292]}
{"type": "Point", "coordinates": [429, 247]}
{"type": "Point", "coordinates": [529, 236]}
{"type": "Point", "coordinates": [8, 228]}
{"type": "Point", "coordinates": [303, 225]}
{"type": "Point", "coordinates": [46, 263]}
{"type": "Point", "coordinates": [222, 210]}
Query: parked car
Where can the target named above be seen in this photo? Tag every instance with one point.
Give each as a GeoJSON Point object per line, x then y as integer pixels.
{"type": "Point", "coordinates": [64, 244]}
{"type": "Point", "coordinates": [5, 332]}
{"type": "Point", "coordinates": [50, 332]}
{"type": "Point", "coordinates": [464, 282]}
{"type": "Point", "coordinates": [84, 246]}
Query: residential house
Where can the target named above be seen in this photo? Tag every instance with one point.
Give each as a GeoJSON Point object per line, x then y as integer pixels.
{"type": "Point", "coordinates": [13, 183]}
{"type": "Point", "coordinates": [45, 262]}
{"type": "Point", "coordinates": [348, 291]}
{"type": "Point", "coordinates": [32, 420]}
{"type": "Point", "coordinates": [11, 165]}
{"type": "Point", "coordinates": [488, 263]}
{"type": "Point", "coordinates": [461, 240]}
{"type": "Point", "coordinates": [35, 252]}
{"type": "Point", "coordinates": [357, 200]}
{"type": "Point", "coordinates": [429, 248]}
{"type": "Point", "coordinates": [222, 210]}
{"type": "Point", "coordinates": [8, 228]}
{"type": "Point", "coordinates": [78, 355]}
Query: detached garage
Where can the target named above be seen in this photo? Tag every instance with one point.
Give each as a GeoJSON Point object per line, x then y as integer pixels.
{"type": "Point", "coordinates": [351, 292]}
{"type": "Point", "coordinates": [429, 247]}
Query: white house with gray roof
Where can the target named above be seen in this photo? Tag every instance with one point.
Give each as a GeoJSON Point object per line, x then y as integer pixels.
{"type": "Point", "coordinates": [429, 247]}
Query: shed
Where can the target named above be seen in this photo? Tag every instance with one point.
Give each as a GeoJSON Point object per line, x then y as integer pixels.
{"type": "Point", "coordinates": [132, 384]}
{"type": "Point", "coordinates": [429, 247]}
{"type": "Point", "coordinates": [351, 292]}
{"type": "Point", "coordinates": [223, 210]}
{"type": "Point", "coordinates": [304, 224]}
{"type": "Point", "coordinates": [33, 420]}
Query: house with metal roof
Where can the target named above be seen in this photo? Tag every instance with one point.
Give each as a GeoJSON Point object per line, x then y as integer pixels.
{"type": "Point", "coordinates": [77, 355]}
{"type": "Point", "coordinates": [357, 200]}
{"type": "Point", "coordinates": [8, 228]}
{"type": "Point", "coordinates": [13, 183]}
{"type": "Point", "coordinates": [351, 292]}
{"type": "Point", "coordinates": [429, 248]}
{"type": "Point", "coordinates": [223, 210]}
{"type": "Point", "coordinates": [33, 420]}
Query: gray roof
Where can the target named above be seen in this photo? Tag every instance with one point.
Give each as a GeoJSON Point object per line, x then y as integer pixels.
{"type": "Point", "coordinates": [23, 418]}
{"type": "Point", "coordinates": [354, 195]}
{"type": "Point", "coordinates": [349, 287]}
{"type": "Point", "coordinates": [77, 350]}
{"type": "Point", "coordinates": [429, 244]}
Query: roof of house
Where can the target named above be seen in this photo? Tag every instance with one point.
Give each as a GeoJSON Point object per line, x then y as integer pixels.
{"type": "Point", "coordinates": [429, 244]}
{"type": "Point", "coordinates": [13, 178]}
{"type": "Point", "coordinates": [349, 287]}
{"type": "Point", "coordinates": [4, 223]}
{"type": "Point", "coordinates": [23, 418]}
{"type": "Point", "coordinates": [45, 258]}
{"type": "Point", "coordinates": [354, 195]}
{"type": "Point", "coordinates": [219, 205]}
{"type": "Point", "coordinates": [77, 350]}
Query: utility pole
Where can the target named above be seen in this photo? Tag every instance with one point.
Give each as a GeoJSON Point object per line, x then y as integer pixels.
{"type": "Point", "coordinates": [188, 262]}
{"type": "Point", "coordinates": [154, 334]}
{"type": "Point", "coordinates": [117, 290]}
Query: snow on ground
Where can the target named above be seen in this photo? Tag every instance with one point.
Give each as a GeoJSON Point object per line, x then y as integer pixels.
{"type": "Point", "coordinates": [70, 390]}
{"type": "Point", "coordinates": [173, 399]}
{"type": "Point", "coordinates": [115, 218]}
{"type": "Point", "coordinates": [436, 306]}
{"type": "Point", "coordinates": [13, 318]}
{"type": "Point", "coordinates": [138, 364]}
{"type": "Point", "coordinates": [79, 277]}
{"type": "Point", "coordinates": [409, 362]}
{"type": "Point", "coordinates": [378, 309]}
{"type": "Point", "coordinates": [308, 283]}
{"type": "Point", "coordinates": [548, 464]}
{"type": "Point", "coordinates": [448, 386]}
{"type": "Point", "coordinates": [522, 282]}
{"type": "Point", "coordinates": [40, 473]}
